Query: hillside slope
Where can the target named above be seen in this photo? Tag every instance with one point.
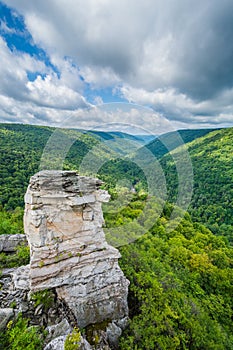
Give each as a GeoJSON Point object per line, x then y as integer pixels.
{"type": "Point", "coordinates": [211, 155]}
{"type": "Point", "coordinates": [212, 161]}
{"type": "Point", "coordinates": [180, 290]}
{"type": "Point", "coordinates": [158, 147]}
{"type": "Point", "coordinates": [180, 294]}
{"type": "Point", "coordinates": [21, 148]}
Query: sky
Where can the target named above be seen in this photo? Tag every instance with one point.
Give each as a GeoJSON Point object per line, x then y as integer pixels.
{"type": "Point", "coordinates": [158, 65]}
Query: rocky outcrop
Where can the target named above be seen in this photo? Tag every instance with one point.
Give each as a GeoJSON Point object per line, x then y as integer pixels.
{"type": "Point", "coordinates": [60, 329]}
{"type": "Point", "coordinates": [59, 344]}
{"type": "Point", "coordinates": [5, 316]}
{"type": "Point", "coordinates": [63, 223]}
{"type": "Point", "coordinates": [57, 319]}
{"type": "Point", "coordinates": [20, 277]}
{"type": "Point", "coordinates": [9, 243]}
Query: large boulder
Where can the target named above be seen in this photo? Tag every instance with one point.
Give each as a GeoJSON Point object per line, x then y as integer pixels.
{"type": "Point", "coordinates": [5, 316]}
{"type": "Point", "coordinates": [9, 243]}
{"type": "Point", "coordinates": [61, 329]}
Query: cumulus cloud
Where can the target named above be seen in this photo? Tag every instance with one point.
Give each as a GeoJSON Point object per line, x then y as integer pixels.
{"type": "Point", "coordinates": [32, 101]}
{"type": "Point", "coordinates": [50, 92]}
{"type": "Point", "coordinates": [13, 71]}
{"type": "Point", "coordinates": [125, 117]}
{"type": "Point", "coordinates": [184, 109]}
{"type": "Point", "coordinates": [155, 38]}
{"type": "Point", "coordinates": [69, 72]}
{"type": "Point", "coordinates": [176, 56]}
{"type": "Point", "coordinates": [99, 77]}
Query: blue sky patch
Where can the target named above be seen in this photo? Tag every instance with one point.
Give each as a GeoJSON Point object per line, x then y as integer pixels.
{"type": "Point", "coordinates": [106, 95]}
{"type": "Point", "coordinates": [17, 37]}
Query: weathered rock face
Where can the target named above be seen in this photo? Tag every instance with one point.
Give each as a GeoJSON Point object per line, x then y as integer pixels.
{"type": "Point", "coordinates": [9, 243]}
{"type": "Point", "coordinates": [63, 223]}
{"type": "Point", "coordinates": [5, 316]}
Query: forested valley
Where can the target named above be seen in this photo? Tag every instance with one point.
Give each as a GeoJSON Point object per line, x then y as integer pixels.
{"type": "Point", "coordinates": [180, 269]}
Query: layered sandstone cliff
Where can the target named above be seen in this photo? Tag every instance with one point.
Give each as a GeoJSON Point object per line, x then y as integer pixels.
{"type": "Point", "coordinates": [63, 223]}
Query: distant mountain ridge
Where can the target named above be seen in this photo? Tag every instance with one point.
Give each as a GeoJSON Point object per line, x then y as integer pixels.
{"type": "Point", "coordinates": [107, 135]}
{"type": "Point", "coordinates": [174, 139]}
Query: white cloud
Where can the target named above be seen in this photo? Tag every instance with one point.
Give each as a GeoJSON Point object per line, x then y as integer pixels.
{"type": "Point", "coordinates": [98, 100]}
{"type": "Point", "coordinates": [99, 77]}
{"type": "Point", "coordinates": [138, 42]}
{"type": "Point", "coordinates": [32, 101]}
{"type": "Point", "coordinates": [125, 117]}
{"type": "Point", "coordinates": [50, 92]}
{"type": "Point", "coordinates": [5, 29]}
{"type": "Point", "coordinates": [174, 56]}
{"type": "Point", "coordinates": [13, 71]}
{"type": "Point", "coordinates": [69, 72]}
{"type": "Point", "coordinates": [182, 108]}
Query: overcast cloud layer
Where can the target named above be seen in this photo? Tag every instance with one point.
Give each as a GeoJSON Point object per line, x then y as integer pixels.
{"type": "Point", "coordinates": [173, 56]}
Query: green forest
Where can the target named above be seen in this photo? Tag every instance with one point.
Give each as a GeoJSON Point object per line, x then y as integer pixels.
{"type": "Point", "coordinates": [181, 279]}
{"type": "Point", "coordinates": [212, 162]}
{"type": "Point", "coordinates": [180, 288]}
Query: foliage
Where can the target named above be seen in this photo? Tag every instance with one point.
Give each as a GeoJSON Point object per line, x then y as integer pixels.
{"type": "Point", "coordinates": [21, 150]}
{"type": "Point", "coordinates": [181, 281]}
{"type": "Point", "coordinates": [11, 222]}
{"type": "Point", "coordinates": [112, 171]}
{"type": "Point", "coordinates": [171, 140]}
{"type": "Point", "coordinates": [212, 162]}
{"type": "Point", "coordinates": [180, 294]}
{"type": "Point", "coordinates": [210, 152]}
{"type": "Point", "coordinates": [43, 297]}
{"type": "Point", "coordinates": [22, 147]}
{"type": "Point", "coordinates": [20, 336]}
{"type": "Point", "coordinates": [21, 257]}
{"type": "Point", "coordinates": [72, 341]}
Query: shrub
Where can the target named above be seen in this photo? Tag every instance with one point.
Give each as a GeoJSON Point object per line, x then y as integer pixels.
{"type": "Point", "coordinates": [21, 257]}
{"type": "Point", "coordinates": [72, 341]}
{"type": "Point", "coordinates": [19, 336]}
{"type": "Point", "coordinates": [43, 297]}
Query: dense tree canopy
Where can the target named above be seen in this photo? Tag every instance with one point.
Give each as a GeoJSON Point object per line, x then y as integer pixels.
{"type": "Point", "coordinates": [180, 270]}
{"type": "Point", "coordinates": [212, 161]}
{"type": "Point", "coordinates": [181, 285]}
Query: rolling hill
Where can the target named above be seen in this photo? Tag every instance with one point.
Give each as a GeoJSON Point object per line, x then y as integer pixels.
{"type": "Point", "coordinates": [210, 152]}
{"type": "Point", "coordinates": [159, 146]}
{"type": "Point", "coordinates": [212, 161]}
{"type": "Point", "coordinates": [21, 150]}
{"type": "Point", "coordinates": [180, 293]}
{"type": "Point", "coordinates": [22, 147]}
